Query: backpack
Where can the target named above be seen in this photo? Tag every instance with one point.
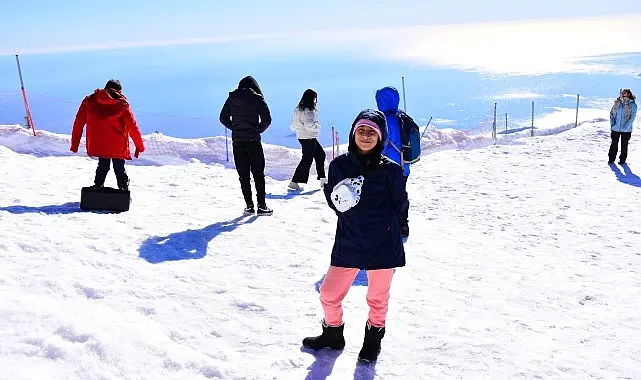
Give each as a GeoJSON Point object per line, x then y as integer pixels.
{"type": "Point", "coordinates": [411, 139]}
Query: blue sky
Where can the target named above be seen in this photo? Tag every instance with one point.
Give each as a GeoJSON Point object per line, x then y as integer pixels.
{"type": "Point", "coordinates": [336, 47]}
{"type": "Point", "coordinates": [44, 24]}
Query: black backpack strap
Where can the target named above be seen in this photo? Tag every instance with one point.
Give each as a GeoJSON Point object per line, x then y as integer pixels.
{"type": "Point", "coordinates": [403, 133]}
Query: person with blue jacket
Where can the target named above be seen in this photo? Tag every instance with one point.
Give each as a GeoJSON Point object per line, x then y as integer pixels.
{"type": "Point", "coordinates": [387, 100]}
{"type": "Point", "coordinates": [622, 116]}
{"type": "Point", "coordinates": [367, 192]}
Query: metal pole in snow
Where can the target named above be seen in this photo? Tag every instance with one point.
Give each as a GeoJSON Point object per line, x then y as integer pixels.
{"type": "Point", "coordinates": [333, 138]}
{"type": "Point", "coordinates": [532, 130]}
{"type": "Point", "coordinates": [24, 98]}
{"type": "Point", "coordinates": [428, 124]}
{"type": "Point", "coordinates": [494, 123]}
{"type": "Point", "coordinates": [226, 145]}
{"type": "Point", "coordinates": [404, 104]}
{"type": "Point", "coordinates": [576, 121]}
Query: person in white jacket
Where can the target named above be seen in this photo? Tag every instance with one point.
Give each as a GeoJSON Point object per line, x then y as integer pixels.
{"type": "Point", "coordinates": [305, 124]}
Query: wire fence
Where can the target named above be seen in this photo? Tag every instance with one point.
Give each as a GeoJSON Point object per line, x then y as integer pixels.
{"type": "Point", "coordinates": [161, 146]}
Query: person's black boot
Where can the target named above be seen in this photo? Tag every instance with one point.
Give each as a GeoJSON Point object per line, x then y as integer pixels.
{"type": "Point", "coordinates": [123, 185]}
{"type": "Point", "coordinates": [405, 229]}
{"type": "Point", "coordinates": [371, 344]}
{"type": "Point", "coordinates": [332, 337]}
{"type": "Point", "coordinates": [99, 181]}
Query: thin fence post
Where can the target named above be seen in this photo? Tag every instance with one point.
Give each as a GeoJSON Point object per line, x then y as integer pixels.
{"type": "Point", "coordinates": [226, 145]}
{"type": "Point", "coordinates": [404, 104]}
{"type": "Point", "coordinates": [494, 124]}
{"type": "Point", "coordinates": [576, 121]}
{"type": "Point", "coordinates": [506, 122]}
{"type": "Point", "coordinates": [428, 124]}
{"type": "Point", "coordinates": [333, 150]}
{"type": "Point", "coordinates": [24, 98]}
{"type": "Point", "coordinates": [532, 130]}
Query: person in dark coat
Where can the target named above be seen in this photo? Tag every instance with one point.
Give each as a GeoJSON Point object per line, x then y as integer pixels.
{"type": "Point", "coordinates": [367, 192]}
{"type": "Point", "coordinates": [246, 114]}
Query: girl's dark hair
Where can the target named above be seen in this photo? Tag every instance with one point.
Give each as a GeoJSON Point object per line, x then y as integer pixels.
{"type": "Point", "coordinates": [308, 100]}
{"type": "Point", "coordinates": [631, 96]}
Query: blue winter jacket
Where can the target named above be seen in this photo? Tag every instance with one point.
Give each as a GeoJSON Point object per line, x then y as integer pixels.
{"type": "Point", "coordinates": [387, 100]}
{"type": "Point", "coordinates": [619, 124]}
{"type": "Point", "coordinates": [368, 235]}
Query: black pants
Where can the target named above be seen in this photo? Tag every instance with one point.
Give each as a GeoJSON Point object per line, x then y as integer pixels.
{"type": "Point", "coordinates": [119, 169]}
{"type": "Point", "coordinates": [312, 151]}
{"type": "Point", "coordinates": [249, 158]}
{"type": "Point", "coordinates": [405, 209]}
{"type": "Point", "coordinates": [614, 146]}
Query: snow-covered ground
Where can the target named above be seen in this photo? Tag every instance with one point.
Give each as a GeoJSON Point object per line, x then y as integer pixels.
{"type": "Point", "coordinates": [522, 263]}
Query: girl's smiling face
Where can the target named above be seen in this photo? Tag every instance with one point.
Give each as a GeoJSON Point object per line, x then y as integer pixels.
{"type": "Point", "coordinates": [365, 138]}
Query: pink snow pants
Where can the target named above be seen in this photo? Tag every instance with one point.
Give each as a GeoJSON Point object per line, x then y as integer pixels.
{"type": "Point", "coordinates": [338, 281]}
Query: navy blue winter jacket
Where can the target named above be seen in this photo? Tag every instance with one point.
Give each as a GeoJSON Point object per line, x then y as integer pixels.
{"type": "Point", "coordinates": [368, 235]}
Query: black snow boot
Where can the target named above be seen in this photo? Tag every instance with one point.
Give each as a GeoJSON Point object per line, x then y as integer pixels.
{"type": "Point", "coordinates": [371, 343]}
{"type": "Point", "coordinates": [405, 230]}
{"type": "Point", "coordinates": [332, 337]}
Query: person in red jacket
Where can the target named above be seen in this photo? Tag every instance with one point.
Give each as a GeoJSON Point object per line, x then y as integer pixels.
{"type": "Point", "coordinates": [109, 122]}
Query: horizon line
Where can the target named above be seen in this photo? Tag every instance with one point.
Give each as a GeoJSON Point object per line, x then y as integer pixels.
{"type": "Point", "coordinates": [224, 39]}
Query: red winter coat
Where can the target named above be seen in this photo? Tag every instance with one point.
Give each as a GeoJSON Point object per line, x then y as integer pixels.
{"type": "Point", "coordinates": [109, 122]}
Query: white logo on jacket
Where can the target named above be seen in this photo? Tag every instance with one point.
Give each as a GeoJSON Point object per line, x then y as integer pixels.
{"type": "Point", "coordinates": [347, 193]}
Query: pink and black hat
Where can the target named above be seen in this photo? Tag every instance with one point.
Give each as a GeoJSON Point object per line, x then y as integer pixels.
{"type": "Point", "coordinates": [373, 119]}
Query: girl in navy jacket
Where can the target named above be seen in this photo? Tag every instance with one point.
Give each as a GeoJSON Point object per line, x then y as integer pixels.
{"type": "Point", "coordinates": [367, 192]}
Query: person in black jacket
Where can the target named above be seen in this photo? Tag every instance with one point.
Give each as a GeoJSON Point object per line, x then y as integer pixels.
{"type": "Point", "coordinates": [367, 192]}
{"type": "Point", "coordinates": [246, 114]}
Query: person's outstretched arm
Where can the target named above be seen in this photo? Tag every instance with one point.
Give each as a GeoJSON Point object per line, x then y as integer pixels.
{"type": "Point", "coordinates": [78, 126]}
{"type": "Point", "coordinates": [134, 132]}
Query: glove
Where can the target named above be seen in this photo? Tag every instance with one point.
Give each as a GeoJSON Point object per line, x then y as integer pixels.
{"type": "Point", "coordinates": [74, 149]}
{"type": "Point", "coordinates": [347, 193]}
{"type": "Point", "coordinates": [138, 151]}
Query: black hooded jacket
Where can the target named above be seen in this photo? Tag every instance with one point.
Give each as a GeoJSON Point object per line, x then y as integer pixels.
{"type": "Point", "coordinates": [245, 112]}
